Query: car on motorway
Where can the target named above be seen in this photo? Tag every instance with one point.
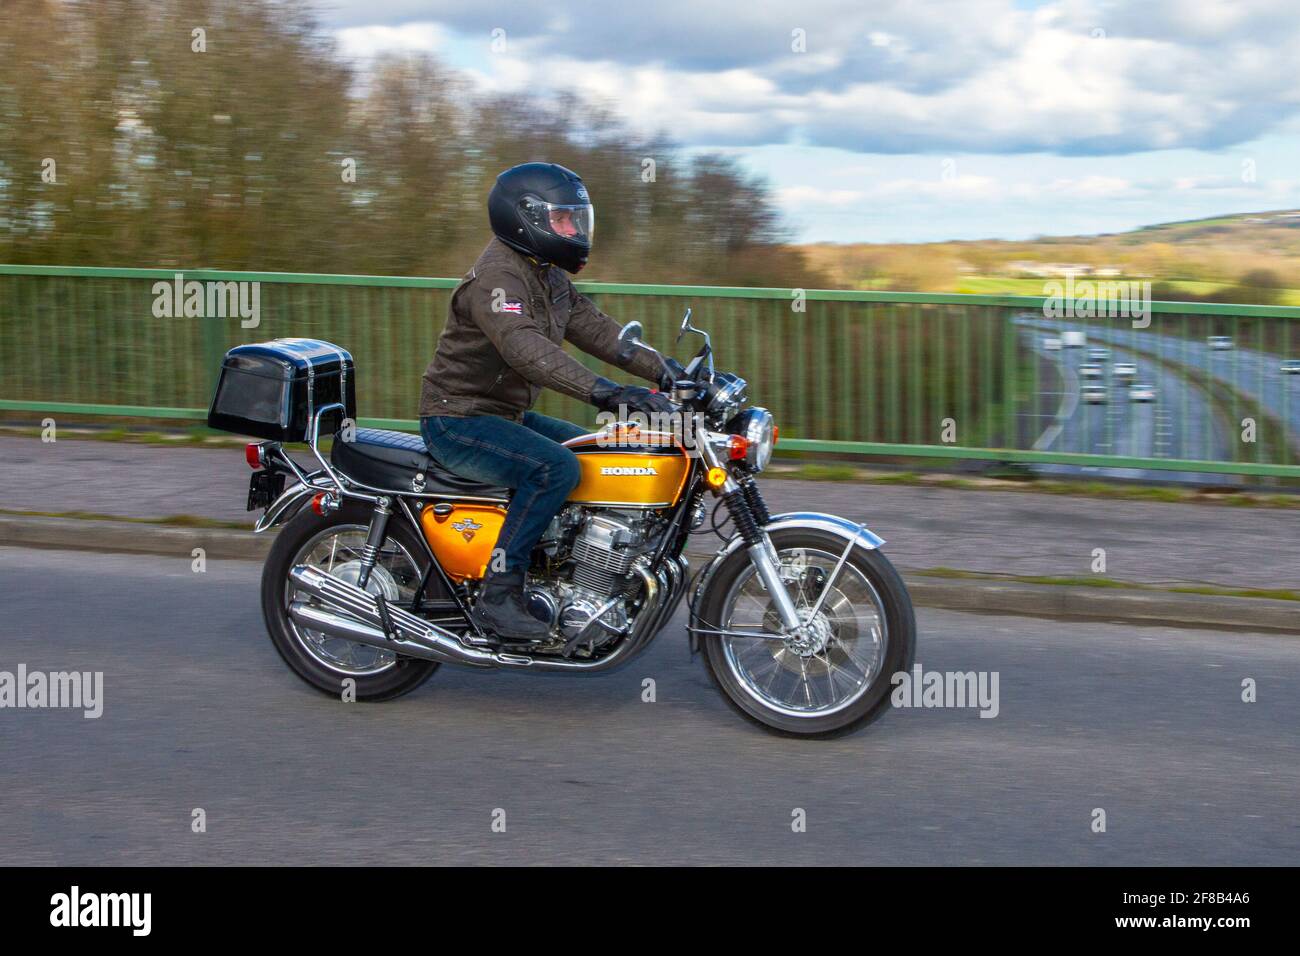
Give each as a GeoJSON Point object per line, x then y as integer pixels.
{"type": "Point", "coordinates": [1123, 370]}
{"type": "Point", "coordinates": [1052, 345]}
{"type": "Point", "coordinates": [1090, 370]}
{"type": "Point", "coordinates": [1096, 354]}
{"type": "Point", "coordinates": [1290, 366]}
{"type": "Point", "coordinates": [1074, 339]}
{"type": "Point", "coordinates": [1142, 392]}
{"type": "Point", "coordinates": [1219, 343]}
{"type": "Point", "coordinates": [1093, 394]}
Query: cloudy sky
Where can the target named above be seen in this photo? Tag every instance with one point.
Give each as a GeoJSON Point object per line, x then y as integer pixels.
{"type": "Point", "coordinates": [894, 120]}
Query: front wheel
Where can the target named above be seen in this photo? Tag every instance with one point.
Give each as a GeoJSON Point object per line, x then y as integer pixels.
{"type": "Point", "coordinates": [833, 675]}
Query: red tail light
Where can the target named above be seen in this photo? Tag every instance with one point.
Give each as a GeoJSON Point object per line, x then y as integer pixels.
{"type": "Point", "coordinates": [253, 455]}
{"type": "Point", "coordinates": [737, 447]}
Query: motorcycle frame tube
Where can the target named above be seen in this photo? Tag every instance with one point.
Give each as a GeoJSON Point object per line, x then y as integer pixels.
{"type": "Point", "coordinates": [292, 500]}
{"type": "Point", "coordinates": [404, 507]}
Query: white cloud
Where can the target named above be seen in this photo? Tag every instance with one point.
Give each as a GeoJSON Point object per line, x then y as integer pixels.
{"type": "Point", "coordinates": [1073, 77]}
{"type": "Point", "coordinates": [367, 41]}
{"type": "Point", "coordinates": [1061, 117]}
{"type": "Point", "coordinates": [795, 196]}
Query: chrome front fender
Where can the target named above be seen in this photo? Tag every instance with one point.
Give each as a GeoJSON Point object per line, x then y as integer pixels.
{"type": "Point", "coordinates": [284, 507]}
{"type": "Point", "coordinates": [836, 525]}
{"type": "Point", "coordinates": [840, 527]}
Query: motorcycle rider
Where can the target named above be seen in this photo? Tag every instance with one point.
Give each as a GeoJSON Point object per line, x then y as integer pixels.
{"type": "Point", "coordinates": [501, 346]}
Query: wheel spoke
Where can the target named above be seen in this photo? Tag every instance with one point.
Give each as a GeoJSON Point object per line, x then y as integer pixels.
{"type": "Point", "coordinates": [807, 685]}
{"type": "Point", "coordinates": [837, 655]}
{"type": "Point", "coordinates": [777, 667]}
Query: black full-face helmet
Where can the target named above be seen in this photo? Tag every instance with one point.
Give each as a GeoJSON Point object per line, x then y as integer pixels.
{"type": "Point", "coordinates": [543, 210]}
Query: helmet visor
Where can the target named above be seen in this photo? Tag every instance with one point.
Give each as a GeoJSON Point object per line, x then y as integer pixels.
{"type": "Point", "coordinates": [573, 222]}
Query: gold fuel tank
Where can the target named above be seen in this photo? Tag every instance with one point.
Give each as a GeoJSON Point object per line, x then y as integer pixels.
{"type": "Point", "coordinates": [626, 467]}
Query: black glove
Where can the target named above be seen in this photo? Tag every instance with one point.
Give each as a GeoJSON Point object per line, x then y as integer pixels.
{"type": "Point", "coordinates": [610, 396]}
{"type": "Point", "coordinates": [672, 372]}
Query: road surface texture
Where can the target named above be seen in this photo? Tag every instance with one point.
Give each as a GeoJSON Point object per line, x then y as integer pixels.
{"type": "Point", "coordinates": [199, 712]}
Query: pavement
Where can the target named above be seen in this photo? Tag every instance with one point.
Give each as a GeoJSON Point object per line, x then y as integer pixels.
{"type": "Point", "coordinates": [1001, 533]}
{"type": "Point", "coordinates": [199, 712]}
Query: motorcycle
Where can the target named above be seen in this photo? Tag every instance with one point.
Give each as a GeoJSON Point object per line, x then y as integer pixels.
{"type": "Point", "coordinates": [801, 620]}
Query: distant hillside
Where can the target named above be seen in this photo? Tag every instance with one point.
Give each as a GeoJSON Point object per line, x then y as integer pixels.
{"type": "Point", "coordinates": [1193, 259]}
{"type": "Point", "coordinates": [1281, 225]}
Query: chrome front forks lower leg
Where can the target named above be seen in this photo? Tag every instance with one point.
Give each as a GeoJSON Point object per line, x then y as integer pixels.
{"type": "Point", "coordinates": [768, 566]}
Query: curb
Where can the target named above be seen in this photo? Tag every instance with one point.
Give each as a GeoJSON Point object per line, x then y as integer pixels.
{"type": "Point", "coordinates": [132, 537]}
{"type": "Point", "coordinates": [1112, 605]}
{"type": "Point", "coordinates": [1108, 605]}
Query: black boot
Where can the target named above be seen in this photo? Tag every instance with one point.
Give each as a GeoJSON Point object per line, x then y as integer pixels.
{"type": "Point", "coordinates": [502, 611]}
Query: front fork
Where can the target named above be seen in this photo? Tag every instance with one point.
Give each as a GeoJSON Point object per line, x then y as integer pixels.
{"type": "Point", "coordinates": [750, 515]}
{"type": "Point", "coordinates": [769, 569]}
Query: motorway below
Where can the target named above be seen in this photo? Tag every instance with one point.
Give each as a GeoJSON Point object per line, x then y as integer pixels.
{"type": "Point", "coordinates": [1145, 723]}
{"type": "Point", "coordinates": [1253, 374]}
{"type": "Point", "coordinates": [1180, 423]}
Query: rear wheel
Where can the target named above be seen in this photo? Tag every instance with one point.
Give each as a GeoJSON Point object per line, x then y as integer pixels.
{"type": "Point", "coordinates": [831, 677]}
{"type": "Point", "coordinates": [333, 544]}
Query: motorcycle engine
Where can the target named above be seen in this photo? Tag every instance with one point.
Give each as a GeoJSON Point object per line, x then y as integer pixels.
{"type": "Point", "coordinates": [600, 548]}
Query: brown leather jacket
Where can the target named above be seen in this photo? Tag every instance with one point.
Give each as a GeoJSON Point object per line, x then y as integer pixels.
{"type": "Point", "coordinates": [502, 342]}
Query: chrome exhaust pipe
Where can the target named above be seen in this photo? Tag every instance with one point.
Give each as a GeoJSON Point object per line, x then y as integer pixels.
{"type": "Point", "coordinates": [352, 614]}
{"type": "Point", "coordinates": [348, 612]}
{"type": "Point", "coordinates": [335, 625]}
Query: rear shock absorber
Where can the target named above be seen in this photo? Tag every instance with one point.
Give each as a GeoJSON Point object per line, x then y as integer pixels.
{"type": "Point", "coordinates": [374, 540]}
{"type": "Point", "coordinates": [754, 498]}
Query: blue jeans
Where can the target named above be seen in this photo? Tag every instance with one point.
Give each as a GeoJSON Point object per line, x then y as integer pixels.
{"type": "Point", "coordinates": [528, 458]}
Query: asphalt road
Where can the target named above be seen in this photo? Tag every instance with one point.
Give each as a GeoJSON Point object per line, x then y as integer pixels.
{"type": "Point", "coordinates": [1178, 424]}
{"type": "Point", "coordinates": [1146, 724]}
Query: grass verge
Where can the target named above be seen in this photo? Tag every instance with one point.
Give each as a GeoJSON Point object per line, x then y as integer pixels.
{"type": "Point", "coordinates": [1080, 489]}
{"type": "Point", "coordinates": [1098, 581]}
{"type": "Point", "coordinates": [176, 521]}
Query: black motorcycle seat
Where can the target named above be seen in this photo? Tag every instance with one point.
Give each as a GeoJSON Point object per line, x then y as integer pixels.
{"type": "Point", "coordinates": [398, 461]}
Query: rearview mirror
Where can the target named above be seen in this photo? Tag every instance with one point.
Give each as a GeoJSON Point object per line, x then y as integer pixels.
{"type": "Point", "coordinates": [686, 325]}
{"type": "Point", "coordinates": [631, 333]}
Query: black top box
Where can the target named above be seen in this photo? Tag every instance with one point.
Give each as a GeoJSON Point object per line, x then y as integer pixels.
{"type": "Point", "coordinates": [273, 389]}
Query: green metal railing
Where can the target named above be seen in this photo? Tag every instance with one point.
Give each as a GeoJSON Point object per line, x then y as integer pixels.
{"type": "Point", "coordinates": [870, 373]}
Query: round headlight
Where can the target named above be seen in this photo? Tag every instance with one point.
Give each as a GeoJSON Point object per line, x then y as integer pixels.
{"type": "Point", "coordinates": [756, 427]}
